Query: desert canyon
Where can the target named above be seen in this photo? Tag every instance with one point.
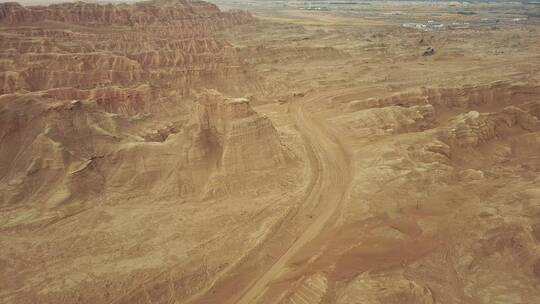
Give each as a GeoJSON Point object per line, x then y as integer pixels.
{"type": "Point", "coordinates": [270, 152]}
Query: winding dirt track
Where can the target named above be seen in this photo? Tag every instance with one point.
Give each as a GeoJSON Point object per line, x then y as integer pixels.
{"type": "Point", "coordinates": [327, 194]}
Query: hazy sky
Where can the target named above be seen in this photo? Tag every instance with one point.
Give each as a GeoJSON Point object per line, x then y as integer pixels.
{"type": "Point", "coordinates": [42, 2]}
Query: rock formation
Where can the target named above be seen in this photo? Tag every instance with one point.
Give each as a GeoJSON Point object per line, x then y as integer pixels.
{"type": "Point", "coordinates": [85, 85]}
{"type": "Point", "coordinates": [472, 129]}
{"type": "Point", "coordinates": [247, 140]}
{"type": "Point", "coordinates": [188, 14]}
{"type": "Point", "coordinates": [392, 289]}
{"type": "Point", "coordinates": [492, 94]}
{"type": "Point", "coordinates": [391, 119]}
{"type": "Point", "coordinates": [168, 44]}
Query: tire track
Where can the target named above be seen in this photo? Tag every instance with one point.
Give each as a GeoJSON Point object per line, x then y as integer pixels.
{"type": "Point", "coordinates": [328, 194]}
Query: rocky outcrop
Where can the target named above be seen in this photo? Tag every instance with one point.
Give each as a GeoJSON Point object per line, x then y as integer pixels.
{"type": "Point", "coordinates": [406, 99]}
{"type": "Point", "coordinates": [77, 97]}
{"type": "Point", "coordinates": [311, 290]}
{"type": "Point", "coordinates": [390, 289]}
{"type": "Point", "coordinates": [390, 120]}
{"type": "Point", "coordinates": [180, 12]}
{"type": "Point", "coordinates": [498, 94]}
{"type": "Point", "coordinates": [474, 128]}
{"type": "Point", "coordinates": [247, 140]}
{"type": "Point", "coordinates": [168, 44]}
{"type": "Point", "coordinates": [113, 99]}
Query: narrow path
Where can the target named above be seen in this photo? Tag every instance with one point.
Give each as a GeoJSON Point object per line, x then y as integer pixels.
{"type": "Point", "coordinates": [328, 195]}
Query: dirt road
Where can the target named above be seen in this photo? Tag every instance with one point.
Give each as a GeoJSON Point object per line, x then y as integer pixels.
{"type": "Point", "coordinates": [328, 194]}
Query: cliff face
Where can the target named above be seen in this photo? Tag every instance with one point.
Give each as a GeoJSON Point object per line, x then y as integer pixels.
{"type": "Point", "coordinates": [168, 44]}
{"type": "Point", "coordinates": [247, 140]}
{"type": "Point", "coordinates": [179, 12]}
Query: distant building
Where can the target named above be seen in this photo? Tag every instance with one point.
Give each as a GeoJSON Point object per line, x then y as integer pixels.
{"type": "Point", "coordinates": [429, 26]}
{"type": "Point", "coordinates": [327, 4]}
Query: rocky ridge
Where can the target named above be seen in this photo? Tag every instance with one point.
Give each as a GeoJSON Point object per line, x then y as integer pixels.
{"type": "Point", "coordinates": [169, 44]}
